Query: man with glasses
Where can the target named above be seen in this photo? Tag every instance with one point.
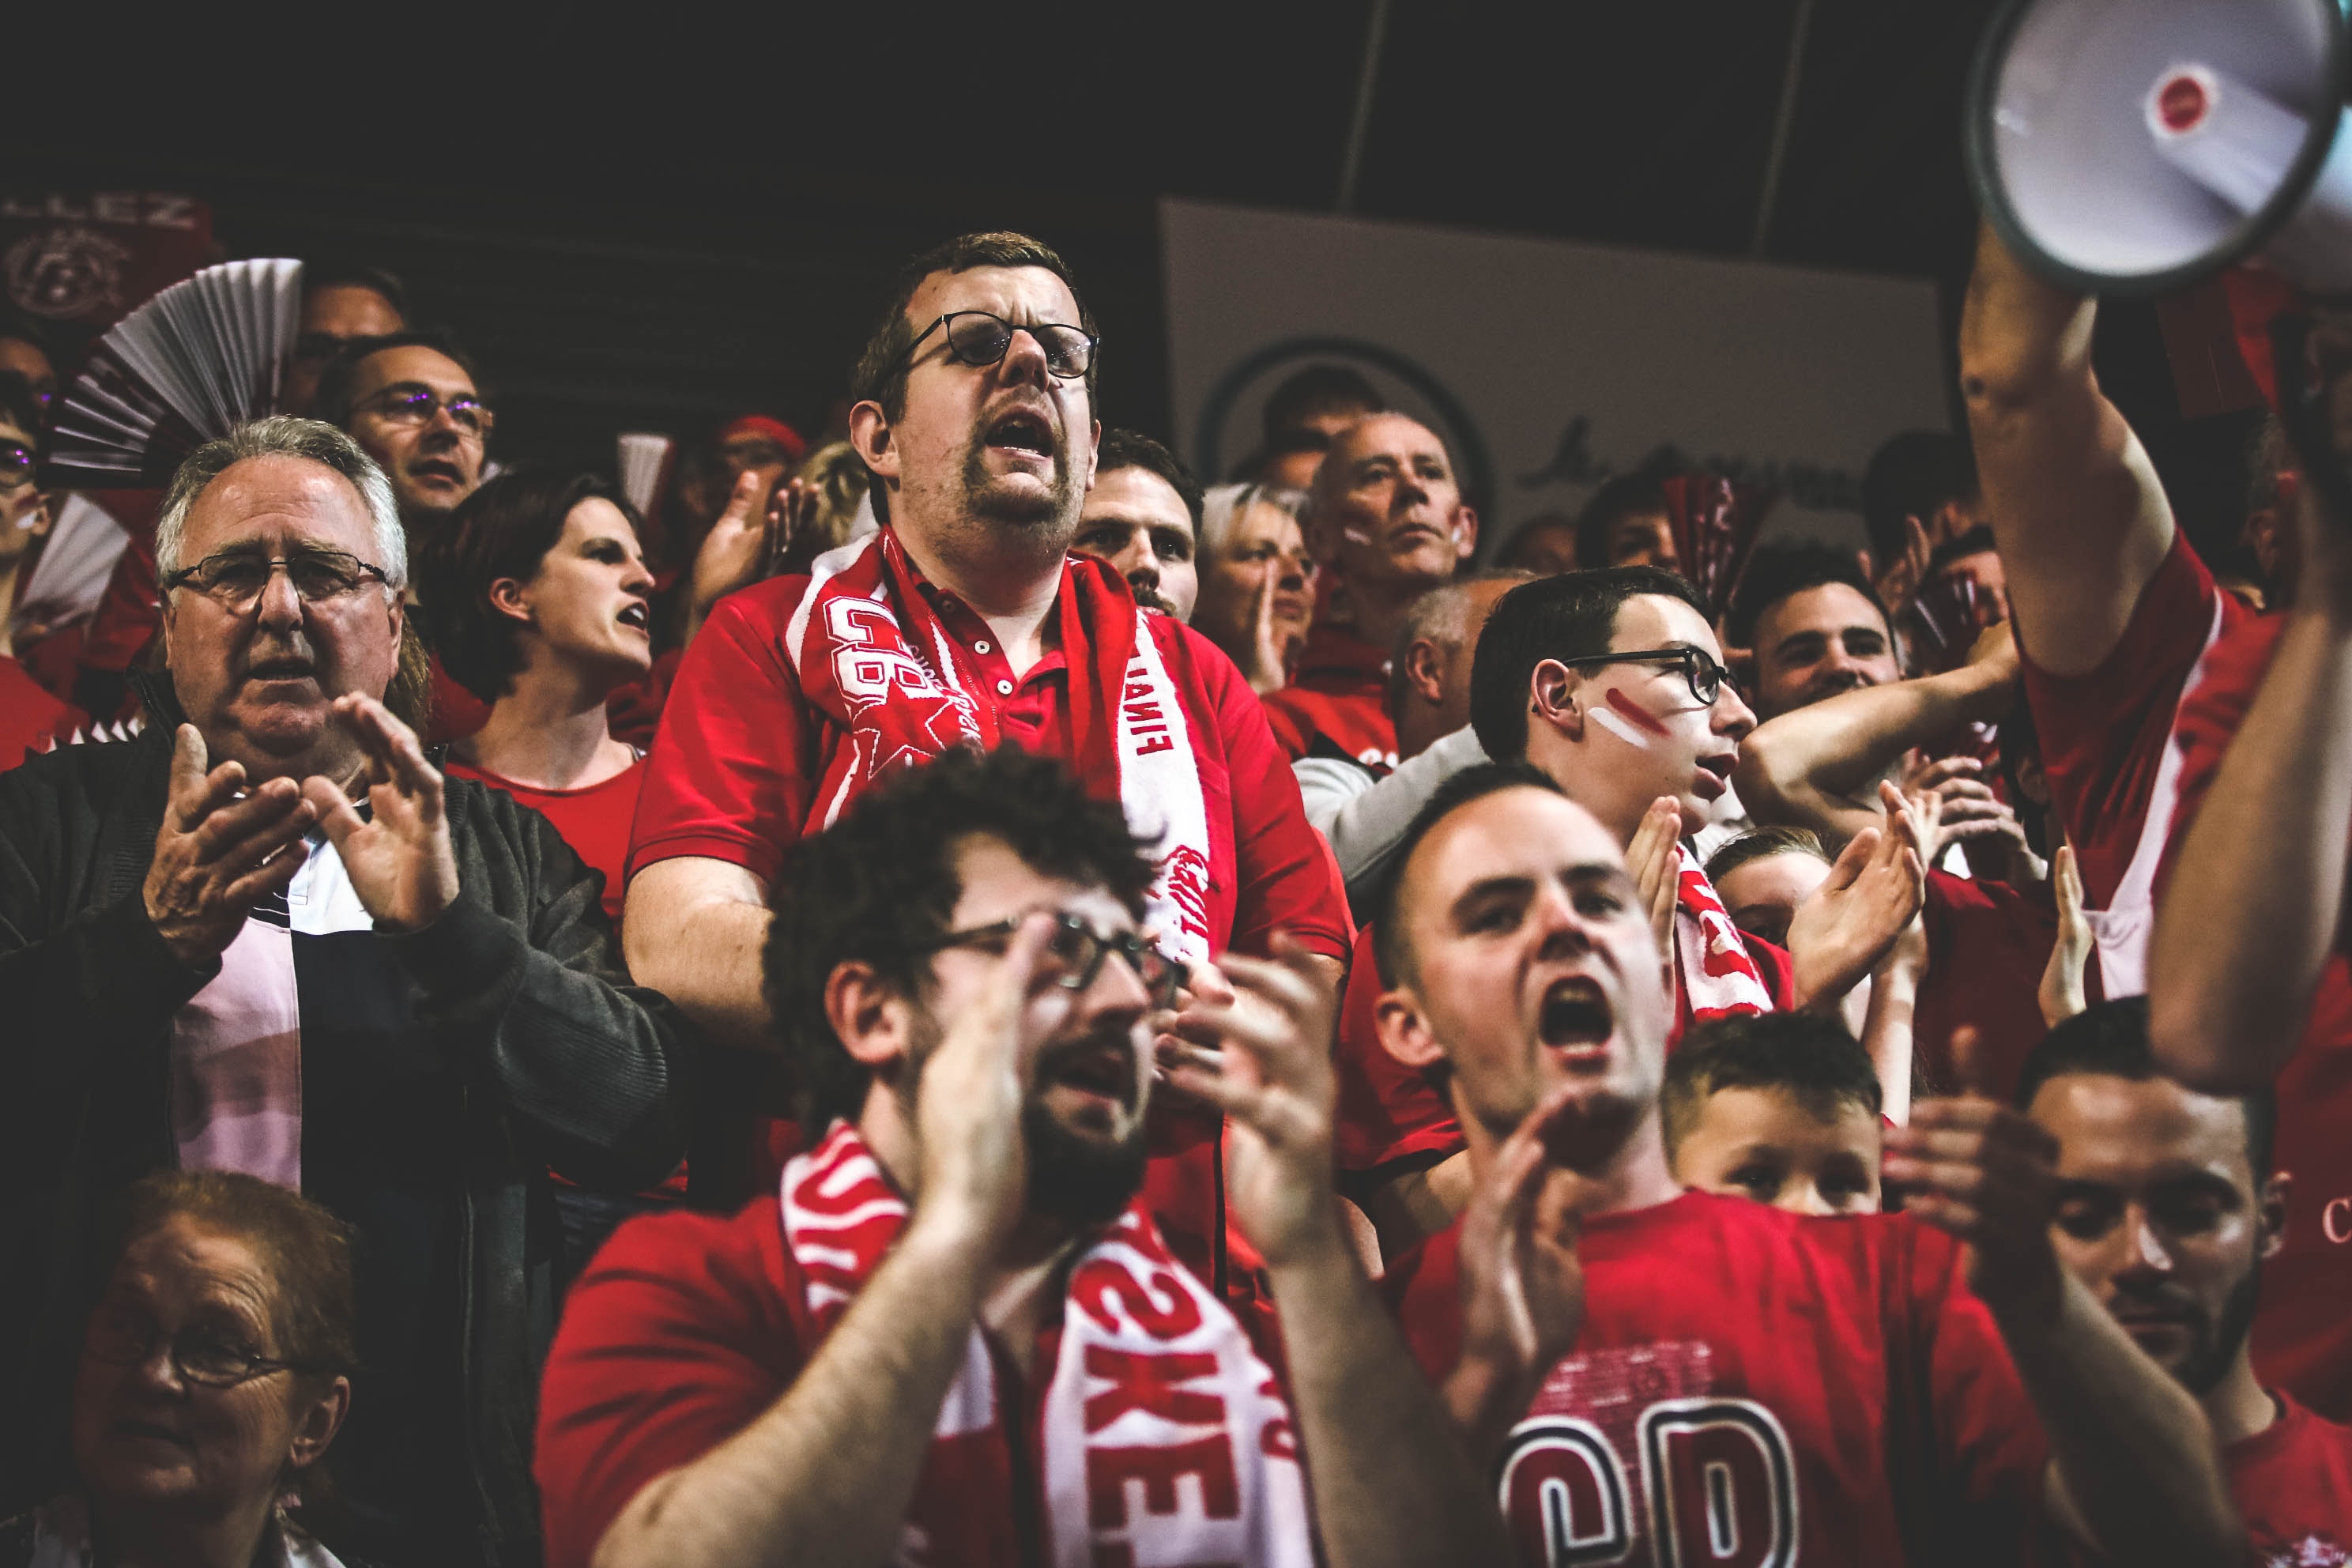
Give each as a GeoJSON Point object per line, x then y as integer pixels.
{"type": "Point", "coordinates": [966, 621]}
{"type": "Point", "coordinates": [267, 935]}
{"type": "Point", "coordinates": [953, 1334]}
{"type": "Point", "coordinates": [409, 400]}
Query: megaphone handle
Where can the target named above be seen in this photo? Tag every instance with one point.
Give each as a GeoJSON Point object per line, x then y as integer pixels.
{"type": "Point", "coordinates": [2303, 412]}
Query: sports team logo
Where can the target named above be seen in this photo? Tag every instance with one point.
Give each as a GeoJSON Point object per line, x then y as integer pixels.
{"type": "Point", "coordinates": [65, 272]}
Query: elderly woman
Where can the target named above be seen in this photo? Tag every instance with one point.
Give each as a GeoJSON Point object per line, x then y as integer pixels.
{"type": "Point", "coordinates": [212, 1376]}
{"type": "Point", "coordinates": [1257, 581]}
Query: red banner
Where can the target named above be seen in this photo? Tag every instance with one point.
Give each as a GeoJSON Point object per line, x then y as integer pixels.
{"type": "Point", "coordinates": [86, 258]}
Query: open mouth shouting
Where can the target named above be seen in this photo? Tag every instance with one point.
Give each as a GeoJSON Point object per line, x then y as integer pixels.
{"type": "Point", "coordinates": [1026, 434]}
{"type": "Point", "coordinates": [637, 616]}
{"type": "Point", "coordinates": [1575, 1021]}
{"type": "Point", "coordinates": [1095, 1077]}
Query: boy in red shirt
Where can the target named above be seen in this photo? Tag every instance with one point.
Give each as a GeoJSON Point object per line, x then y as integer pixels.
{"type": "Point", "coordinates": [1766, 1387]}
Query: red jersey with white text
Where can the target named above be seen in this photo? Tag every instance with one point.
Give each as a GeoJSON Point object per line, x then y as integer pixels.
{"type": "Point", "coordinates": [1755, 1388]}
{"type": "Point", "coordinates": [2302, 1331]}
{"type": "Point", "coordinates": [2107, 749]}
{"type": "Point", "coordinates": [1340, 694]}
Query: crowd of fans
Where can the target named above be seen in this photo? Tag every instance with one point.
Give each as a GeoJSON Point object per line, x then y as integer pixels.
{"type": "Point", "coordinates": [950, 997]}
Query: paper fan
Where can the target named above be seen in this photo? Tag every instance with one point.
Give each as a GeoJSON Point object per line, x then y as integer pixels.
{"type": "Point", "coordinates": [644, 464]}
{"type": "Point", "coordinates": [198, 360]}
{"type": "Point", "coordinates": [1715, 523]}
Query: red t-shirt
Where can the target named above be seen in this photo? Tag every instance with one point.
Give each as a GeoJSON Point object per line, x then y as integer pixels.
{"type": "Point", "coordinates": [1764, 1387]}
{"type": "Point", "coordinates": [2303, 1332]}
{"type": "Point", "coordinates": [686, 1328]}
{"type": "Point", "coordinates": [1388, 1111]}
{"type": "Point", "coordinates": [31, 720]}
{"type": "Point", "coordinates": [2107, 749]}
{"type": "Point", "coordinates": [2292, 1485]}
{"type": "Point", "coordinates": [1341, 693]}
{"type": "Point", "coordinates": [595, 820]}
{"type": "Point", "coordinates": [1988, 944]}
{"type": "Point", "coordinates": [735, 766]}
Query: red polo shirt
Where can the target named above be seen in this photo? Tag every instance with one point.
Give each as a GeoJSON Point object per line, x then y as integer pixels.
{"type": "Point", "coordinates": [734, 768]}
{"type": "Point", "coordinates": [1341, 694]}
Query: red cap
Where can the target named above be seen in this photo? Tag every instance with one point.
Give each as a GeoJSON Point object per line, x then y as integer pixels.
{"type": "Point", "coordinates": [769, 427]}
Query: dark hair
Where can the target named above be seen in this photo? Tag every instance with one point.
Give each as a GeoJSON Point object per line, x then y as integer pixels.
{"type": "Point", "coordinates": [1318, 389]}
{"type": "Point", "coordinates": [1913, 475]}
{"type": "Point", "coordinates": [1778, 570]}
{"type": "Point", "coordinates": [504, 529]}
{"type": "Point", "coordinates": [1132, 450]}
{"type": "Point", "coordinates": [339, 273]}
{"type": "Point", "coordinates": [881, 377]}
{"type": "Point", "coordinates": [1977, 540]}
{"type": "Point", "coordinates": [333, 403]}
{"type": "Point", "coordinates": [1810, 1056]}
{"type": "Point", "coordinates": [41, 332]}
{"type": "Point", "coordinates": [1520, 536]}
{"type": "Point", "coordinates": [1762, 844]}
{"type": "Point", "coordinates": [881, 883]}
{"type": "Point", "coordinates": [2109, 1039]}
{"type": "Point", "coordinates": [1636, 494]}
{"type": "Point", "coordinates": [19, 408]}
{"type": "Point", "coordinates": [1391, 953]}
{"type": "Point", "coordinates": [1570, 615]}
{"type": "Point", "coordinates": [1282, 444]}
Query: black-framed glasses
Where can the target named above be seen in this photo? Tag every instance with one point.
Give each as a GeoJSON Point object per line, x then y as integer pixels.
{"type": "Point", "coordinates": [16, 461]}
{"type": "Point", "coordinates": [1707, 677]}
{"type": "Point", "coordinates": [125, 1338]}
{"type": "Point", "coordinates": [979, 338]}
{"type": "Point", "coordinates": [416, 406]}
{"type": "Point", "coordinates": [237, 578]}
{"type": "Point", "coordinates": [1075, 953]}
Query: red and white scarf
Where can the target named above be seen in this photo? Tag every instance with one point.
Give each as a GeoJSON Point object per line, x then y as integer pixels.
{"type": "Point", "coordinates": [874, 658]}
{"type": "Point", "coordinates": [1717, 974]}
{"type": "Point", "coordinates": [1165, 1440]}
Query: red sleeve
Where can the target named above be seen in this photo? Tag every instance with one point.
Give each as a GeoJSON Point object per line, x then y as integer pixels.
{"type": "Point", "coordinates": [1294, 739]}
{"type": "Point", "coordinates": [1284, 879]}
{"type": "Point", "coordinates": [1387, 1110]}
{"type": "Point", "coordinates": [2211, 716]}
{"type": "Point", "coordinates": [729, 775]}
{"type": "Point", "coordinates": [678, 1336]}
{"type": "Point", "coordinates": [2104, 734]}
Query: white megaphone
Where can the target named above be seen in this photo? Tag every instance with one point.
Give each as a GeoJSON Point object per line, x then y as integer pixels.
{"type": "Point", "coordinates": [2141, 146]}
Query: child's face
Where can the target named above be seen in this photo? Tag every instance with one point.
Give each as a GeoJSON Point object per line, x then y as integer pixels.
{"type": "Point", "coordinates": [1764, 1144]}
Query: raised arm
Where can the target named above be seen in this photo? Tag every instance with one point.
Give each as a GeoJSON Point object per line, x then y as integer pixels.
{"type": "Point", "coordinates": [2077, 514]}
{"type": "Point", "coordinates": [1393, 1485]}
{"type": "Point", "coordinates": [1815, 766]}
{"type": "Point", "coordinates": [823, 1480]}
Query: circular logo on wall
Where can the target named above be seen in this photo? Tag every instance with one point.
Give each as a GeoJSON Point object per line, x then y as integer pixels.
{"type": "Point", "coordinates": [65, 272]}
{"type": "Point", "coordinates": [1216, 444]}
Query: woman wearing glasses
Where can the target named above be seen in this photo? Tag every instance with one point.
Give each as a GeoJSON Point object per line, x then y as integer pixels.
{"type": "Point", "coordinates": [214, 1374]}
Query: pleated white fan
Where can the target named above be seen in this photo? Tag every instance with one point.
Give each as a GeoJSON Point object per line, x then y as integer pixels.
{"type": "Point", "coordinates": [200, 358]}
{"type": "Point", "coordinates": [644, 462]}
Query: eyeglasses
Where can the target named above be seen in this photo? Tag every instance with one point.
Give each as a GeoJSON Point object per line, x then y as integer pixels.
{"type": "Point", "coordinates": [976, 337]}
{"type": "Point", "coordinates": [415, 406]}
{"type": "Point", "coordinates": [1706, 677]}
{"type": "Point", "coordinates": [126, 1338]}
{"type": "Point", "coordinates": [16, 462]}
{"type": "Point", "coordinates": [1075, 953]}
{"type": "Point", "coordinates": [237, 577]}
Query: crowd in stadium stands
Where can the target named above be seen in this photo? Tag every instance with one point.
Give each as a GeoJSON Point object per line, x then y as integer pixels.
{"type": "Point", "coordinates": [950, 996]}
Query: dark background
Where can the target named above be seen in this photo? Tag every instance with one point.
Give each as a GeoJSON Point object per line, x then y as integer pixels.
{"type": "Point", "coordinates": [659, 219]}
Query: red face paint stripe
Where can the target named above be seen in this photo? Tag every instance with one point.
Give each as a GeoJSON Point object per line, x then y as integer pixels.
{"type": "Point", "coordinates": [1635, 713]}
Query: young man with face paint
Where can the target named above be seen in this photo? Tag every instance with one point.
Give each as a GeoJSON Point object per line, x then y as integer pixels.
{"type": "Point", "coordinates": [1386, 520]}
{"type": "Point", "coordinates": [2169, 1204]}
{"type": "Point", "coordinates": [1664, 1376]}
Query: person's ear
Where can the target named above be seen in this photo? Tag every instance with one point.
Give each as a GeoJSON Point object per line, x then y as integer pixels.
{"type": "Point", "coordinates": [2270, 1215]}
{"type": "Point", "coordinates": [316, 1422]}
{"type": "Point", "coordinates": [1424, 671]}
{"type": "Point", "coordinates": [509, 598]}
{"type": "Point", "coordinates": [1552, 690]}
{"type": "Point", "coordinates": [1094, 454]}
{"type": "Point", "coordinates": [869, 433]}
{"type": "Point", "coordinates": [396, 608]}
{"type": "Point", "coordinates": [1466, 532]}
{"type": "Point", "coordinates": [869, 1015]}
{"type": "Point", "coordinates": [1403, 1029]}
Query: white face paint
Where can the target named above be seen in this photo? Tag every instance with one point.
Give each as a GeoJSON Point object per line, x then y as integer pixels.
{"type": "Point", "coordinates": [1619, 728]}
{"type": "Point", "coordinates": [1355, 536]}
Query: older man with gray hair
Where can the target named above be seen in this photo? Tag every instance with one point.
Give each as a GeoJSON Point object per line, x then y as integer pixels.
{"type": "Point", "coordinates": [268, 935]}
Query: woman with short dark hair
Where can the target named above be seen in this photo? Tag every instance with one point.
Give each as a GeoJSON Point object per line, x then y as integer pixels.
{"type": "Point", "coordinates": [536, 597]}
{"type": "Point", "coordinates": [214, 1370]}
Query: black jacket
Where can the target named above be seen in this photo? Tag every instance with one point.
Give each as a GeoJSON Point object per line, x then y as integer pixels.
{"type": "Point", "coordinates": [563, 1064]}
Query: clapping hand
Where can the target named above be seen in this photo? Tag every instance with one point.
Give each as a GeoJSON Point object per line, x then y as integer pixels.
{"type": "Point", "coordinates": [1839, 933]}
{"type": "Point", "coordinates": [399, 857]}
{"type": "Point", "coordinates": [749, 541]}
{"type": "Point", "coordinates": [221, 850]}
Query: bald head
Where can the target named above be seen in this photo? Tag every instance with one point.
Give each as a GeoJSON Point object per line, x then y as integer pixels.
{"type": "Point", "coordinates": [1387, 507]}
